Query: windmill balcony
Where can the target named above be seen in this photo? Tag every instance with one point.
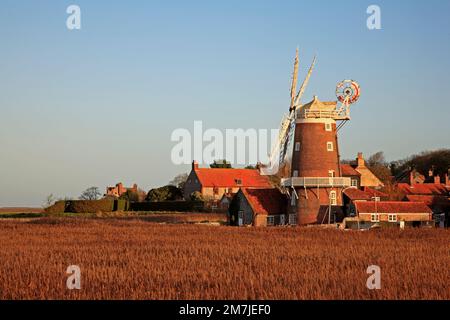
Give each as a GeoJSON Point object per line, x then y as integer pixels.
{"type": "Point", "coordinates": [323, 114]}
{"type": "Point", "coordinates": [317, 182]}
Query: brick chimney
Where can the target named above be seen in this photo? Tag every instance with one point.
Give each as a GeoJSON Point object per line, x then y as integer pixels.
{"type": "Point", "coordinates": [360, 160]}
{"type": "Point", "coordinates": [412, 180]}
{"type": "Point", "coordinates": [194, 165]}
{"type": "Point", "coordinates": [120, 190]}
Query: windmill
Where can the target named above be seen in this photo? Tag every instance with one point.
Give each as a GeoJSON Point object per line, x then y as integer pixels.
{"type": "Point", "coordinates": [278, 156]}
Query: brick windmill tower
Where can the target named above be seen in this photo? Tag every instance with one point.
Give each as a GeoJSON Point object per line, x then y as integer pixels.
{"type": "Point", "coordinates": [310, 143]}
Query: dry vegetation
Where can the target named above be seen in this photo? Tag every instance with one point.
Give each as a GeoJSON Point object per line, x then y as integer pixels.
{"type": "Point", "coordinates": [135, 259]}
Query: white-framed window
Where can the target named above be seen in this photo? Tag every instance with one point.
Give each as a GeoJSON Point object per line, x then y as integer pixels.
{"type": "Point", "coordinates": [328, 127]}
{"type": "Point", "coordinates": [333, 198]}
{"type": "Point", "coordinates": [295, 173]}
{"type": "Point", "coordinates": [330, 146]}
{"type": "Point", "coordinates": [330, 173]}
{"type": "Point", "coordinates": [392, 217]}
{"type": "Point", "coordinates": [297, 146]}
{"type": "Point", "coordinates": [293, 201]}
{"type": "Point", "coordinates": [293, 219]}
{"type": "Point", "coordinates": [375, 217]}
{"type": "Point", "coordinates": [354, 182]}
{"type": "Point", "coordinates": [270, 220]}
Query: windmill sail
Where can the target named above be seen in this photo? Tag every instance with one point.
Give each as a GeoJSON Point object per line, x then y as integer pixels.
{"type": "Point", "coordinates": [304, 84]}
{"type": "Point", "coordinates": [279, 156]}
{"type": "Point", "coordinates": [294, 80]}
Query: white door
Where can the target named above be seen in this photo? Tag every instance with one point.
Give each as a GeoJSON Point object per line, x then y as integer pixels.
{"type": "Point", "coordinates": [241, 218]}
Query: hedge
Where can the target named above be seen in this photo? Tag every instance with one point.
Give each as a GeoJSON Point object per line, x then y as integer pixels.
{"type": "Point", "coordinates": [88, 206]}
{"type": "Point", "coordinates": [179, 206]}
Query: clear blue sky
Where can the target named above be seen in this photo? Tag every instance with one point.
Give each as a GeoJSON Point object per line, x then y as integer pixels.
{"type": "Point", "coordinates": [97, 106]}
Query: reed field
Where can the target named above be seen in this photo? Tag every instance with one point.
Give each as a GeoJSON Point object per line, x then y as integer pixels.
{"type": "Point", "coordinates": [138, 259]}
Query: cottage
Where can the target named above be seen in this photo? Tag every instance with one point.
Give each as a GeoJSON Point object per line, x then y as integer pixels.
{"type": "Point", "coordinates": [118, 190]}
{"type": "Point", "coordinates": [366, 194]}
{"type": "Point", "coordinates": [390, 213]}
{"type": "Point", "coordinates": [259, 207]}
{"type": "Point", "coordinates": [360, 174]}
{"type": "Point", "coordinates": [213, 183]}
{"type": "Point", "coordinates": [435, 195]}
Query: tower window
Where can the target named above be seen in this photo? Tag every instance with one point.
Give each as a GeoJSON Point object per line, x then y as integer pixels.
{"type": "Point", "coordinates": [331, 173]}
{"type": "Point", "coordinates": [333, 198]}
{"type": "Point", "coordinates": [328, 127]}
{"type": "Point", "coordinates": [330, 146]}
{"type": "Point", "coordinates": [297, 146]}
{"type": "Point", "coordinates": [295, 173]}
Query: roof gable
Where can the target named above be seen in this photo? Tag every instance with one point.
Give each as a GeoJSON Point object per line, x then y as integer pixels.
{"type": "Point", "coordinates": [265, 201]}
{"type": "Point", "coordinates": [348, 170]}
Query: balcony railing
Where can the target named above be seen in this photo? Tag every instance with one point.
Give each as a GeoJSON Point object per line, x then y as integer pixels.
{"type": "Point", "coordinates": [323, 114]}
{"type": "Point", "coordinates": [316, 182]}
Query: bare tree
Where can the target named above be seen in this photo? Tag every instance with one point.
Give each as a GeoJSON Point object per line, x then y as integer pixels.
{"type": "Point", "coordinates": [179, 181]}
{"type": "Point", "coordinates": [91, 193]}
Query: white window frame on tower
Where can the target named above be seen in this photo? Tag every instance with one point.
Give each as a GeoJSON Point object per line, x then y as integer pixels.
{"type": "Point", "coordinates": [330, 146]}
{"type": "Point", "coordinates": [333, 198]}
{"type": "Point", "coordinates": [297, 146]}
{"type": "Point", "coordinates": [328, 127]}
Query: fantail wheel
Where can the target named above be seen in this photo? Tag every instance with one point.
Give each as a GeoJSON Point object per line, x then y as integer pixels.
{"type": "Point", "coordinates": [348, 91]}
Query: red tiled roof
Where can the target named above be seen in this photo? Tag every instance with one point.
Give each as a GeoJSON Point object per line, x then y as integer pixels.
{"type": "Point", "coordinates": [375, 193]}
{"type": "Point", "coordinates": [391, 207]}
{"type": "Point", "coordinates": [428, 200]}
{"type": "Point", "coordinates": [431, 201]}
{"type": "Point", "coordinates": [228, 178]}
{"type": "Point", "coordinates": [348, 170]}
{"type": "Point", "coordinates": [356, 194]}
{"type": "Point", "coordinates": [365, 194]}
{"type": "Point", "coordinates": [423, 189]}
{"type": "Point", "coordinates": [265, 201]}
